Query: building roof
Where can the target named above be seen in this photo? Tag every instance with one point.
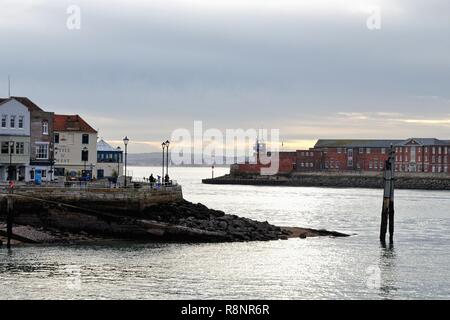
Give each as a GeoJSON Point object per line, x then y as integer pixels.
{"type": "Point", "coordinates": [102, 145]}
{"type": "Point", "coordinates": [373, 143]}
{"type": "Point", "coordinates": [424, 142]}
{"type": "Point", "coordinates": [63, 122]}
{"type": "Point", "coordinates": [23, 100]}
{"type": "Point", "coordinates": [355, 143]}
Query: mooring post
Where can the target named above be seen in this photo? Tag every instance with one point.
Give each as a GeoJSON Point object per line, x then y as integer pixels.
{"type": "Point", "coordinates": [9, 217]}
{"type": "Point", "coordinates": [387, 213]}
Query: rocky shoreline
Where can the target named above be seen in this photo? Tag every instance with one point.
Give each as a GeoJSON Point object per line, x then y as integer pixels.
{"type": "Point", "coordinates": [180, 221]}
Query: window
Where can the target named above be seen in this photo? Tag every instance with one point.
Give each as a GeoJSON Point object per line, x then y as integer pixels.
{"type": "Point", "coordinates": [20, 147]}
{"type": "Point", "coordinates": [84, 155]}
{"type": "Point", "coordinates": [44, 173]}
{"type": "Point", "coordinates": [367, 150]}
{"type": "Point", "coordinates": [85, 139]}
{"type": "Point", "coordinates": [56, 137]}
{"type": "Point", "coordinates": [383, 150]}
{"type": "Point", "coordinates": [361, 150]}
{"type": "Point", "coordinates": [42, 151]}
{"type": "Point", "coordinates": [44, 127]}
{"type": "Point", "coordinates": [5, 147]}
{"type": "Point", "coordinates": [339, 150]}
{"type": "Point", "coordinates": [20, 122]}
{"type": "Point", "coordinates": [59, 172]}
{"type": "Point", "coordinates": [4, 119]}
{"type": "Point", "coordinates": [12, 121]}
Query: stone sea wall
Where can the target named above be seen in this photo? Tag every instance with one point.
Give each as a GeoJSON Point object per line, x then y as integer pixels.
{"type": "Point", "coordinates": [339, 180]}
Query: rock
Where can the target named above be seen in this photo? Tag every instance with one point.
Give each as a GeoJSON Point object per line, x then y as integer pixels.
{"type": "Point", "coordinates": [222, 225]}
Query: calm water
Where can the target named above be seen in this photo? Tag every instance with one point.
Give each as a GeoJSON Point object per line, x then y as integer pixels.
{"type": "Point", "coordinates": [318, 268]}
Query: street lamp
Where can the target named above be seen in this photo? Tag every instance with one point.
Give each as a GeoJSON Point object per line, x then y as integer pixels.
{"type": "Point", "coordinates": [11, 150]}
{"type": "Point", "coordinates": [163, 145]}
{"type": "Point", "coordinates": [91, 166]}
{"type": "Point", "coordinates": [118, 160]}
{"type": "Point", "coordinates": [85, 159]}
{"type": "Point", "coordinates": [167, 157]}
{"type": "Point", "coordinates": [125, 142]}
{"type": "Point", "coordinates": [52, 162]}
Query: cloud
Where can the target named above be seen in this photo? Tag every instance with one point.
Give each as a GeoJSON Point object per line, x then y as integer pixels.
{"type": "Point", "coordinates": [310, 68]}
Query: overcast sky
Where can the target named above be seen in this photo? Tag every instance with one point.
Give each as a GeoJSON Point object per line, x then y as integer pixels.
{"type": "Point", "coordinates": [310, 68]}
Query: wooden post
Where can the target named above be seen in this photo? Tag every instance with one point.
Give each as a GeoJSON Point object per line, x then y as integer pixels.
{"type": "Point", "coordinates": [9, 218]}
{"type": "Point", "coordinates": [387, 213]}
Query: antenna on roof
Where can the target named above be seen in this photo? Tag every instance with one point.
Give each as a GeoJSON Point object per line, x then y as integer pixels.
{"type": "Point", "coordinates": [9, 86]}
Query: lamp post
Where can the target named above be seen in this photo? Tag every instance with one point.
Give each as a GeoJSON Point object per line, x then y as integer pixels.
{"type": "Point", "coordinates": [163, 145]}
{"type": "Point", "coordinates": [11, 149]}
{"type": "Point", "coordinates": [118, 160]}
{"type": "Point", "coordinates": [125, 142]}
{"type": "Point", "coordinates": [85, 149]}
{"type": "Point", "coordinates": [52, 162]}
{"type": "Point", "coordinates": [91, 166]}
{"type": "Point", "coordinates": [167, 158]}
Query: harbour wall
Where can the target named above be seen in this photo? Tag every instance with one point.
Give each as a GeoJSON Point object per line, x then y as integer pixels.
{"type": "Point", "coordinates": [338, 180]}
{"type": "Point", "coordinates": [110, 212]}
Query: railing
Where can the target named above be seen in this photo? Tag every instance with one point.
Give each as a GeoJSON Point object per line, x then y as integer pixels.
{"type": "Point", "coordinates": [99, 184]}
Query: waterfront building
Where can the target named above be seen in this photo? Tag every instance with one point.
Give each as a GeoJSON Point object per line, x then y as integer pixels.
{"type": "Point", "coordinates": [415, 155]}
{"type": "Point", "coordinates": [75, 147]}
{"type": "Point", "coordinates": [14, 140]}
{"type": "Point", "coordinates": [41, 142]}
{"type": "Point", "coordinates": [109, 160]}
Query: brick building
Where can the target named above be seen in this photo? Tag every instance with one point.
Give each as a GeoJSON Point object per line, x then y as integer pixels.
{"type": "Point", "coordinates": [427, 155]}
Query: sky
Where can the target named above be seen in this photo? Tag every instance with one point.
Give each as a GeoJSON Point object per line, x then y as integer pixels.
{"type": "Point", "coordinates": [312, 69]}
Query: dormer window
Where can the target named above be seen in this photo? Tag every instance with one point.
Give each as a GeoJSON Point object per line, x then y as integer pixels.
{"type": "Point", "coordinates": [44, 127]}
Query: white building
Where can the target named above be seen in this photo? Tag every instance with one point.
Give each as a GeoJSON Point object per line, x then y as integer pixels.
{"type": "Point", "coordinates": [109, 160]}
{"type": "Point", "coordinates": [75, 147]}
{"type": "Point", "coordinates": [14, 140]}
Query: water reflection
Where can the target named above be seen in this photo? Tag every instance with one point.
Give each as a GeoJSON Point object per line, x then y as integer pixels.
{"type": "Point", "coordinates": [387, 265]}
